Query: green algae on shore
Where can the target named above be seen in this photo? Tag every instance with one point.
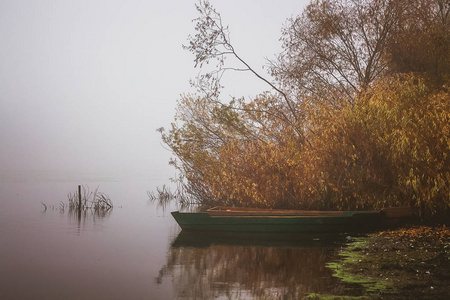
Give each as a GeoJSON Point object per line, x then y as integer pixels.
{"type": "Point", "coordinates": [405, 263]}
{"type": "Point", "coordinates": [346, 269]}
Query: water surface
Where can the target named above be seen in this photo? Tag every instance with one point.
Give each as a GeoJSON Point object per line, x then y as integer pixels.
{"type": "Point", "coordinates": [136, 250]}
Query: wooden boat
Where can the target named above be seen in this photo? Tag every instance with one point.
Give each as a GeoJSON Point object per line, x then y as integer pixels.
{"type": "Point", "coordinates": [238, 219]}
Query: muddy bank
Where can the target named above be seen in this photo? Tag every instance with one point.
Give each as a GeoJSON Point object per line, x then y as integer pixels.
{"type": "Point", "coordinates": [407, 263]}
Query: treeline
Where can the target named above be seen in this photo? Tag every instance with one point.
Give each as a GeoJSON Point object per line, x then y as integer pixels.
{"type": "Point", "coordinates": [357, 116]}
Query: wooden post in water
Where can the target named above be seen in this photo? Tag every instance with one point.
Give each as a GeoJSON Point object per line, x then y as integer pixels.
{"type": "Point", "coordinates": [79, 197]}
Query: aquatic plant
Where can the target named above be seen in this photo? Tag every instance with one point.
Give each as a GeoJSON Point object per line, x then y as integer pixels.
{"type": "Point", "coordinates": [84, 199]}
{"type": "Point", "coordinates": [350, 255]}
{"type": "Point", "coordinates": [165, 195]}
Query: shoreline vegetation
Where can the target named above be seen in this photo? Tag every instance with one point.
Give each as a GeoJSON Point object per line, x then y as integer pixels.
{"type": "Point", "coordinates": [338, 128]}
{"type": "Point", "coordinates": [356, 117]}
{"type": "Point", "coordinates": [406, 263]}
{"type": "Point", "coordinates": [164, 195]}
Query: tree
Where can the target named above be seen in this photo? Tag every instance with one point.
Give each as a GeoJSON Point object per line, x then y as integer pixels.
{"type": "Point", "coordinates": [340, 47]}
{"type": "Point", "coordinates": [421, 41]}
{"type": "Point", "coordinates": [336, 47]}
{"type": "Point", "coordinates": [342, 128]}
{"type": "Point", "coordinates": [212, 43]}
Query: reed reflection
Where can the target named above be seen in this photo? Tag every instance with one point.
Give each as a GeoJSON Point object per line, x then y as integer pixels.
{"type": "Point", "coordinates": [88, 214]}
{"type": "Point", "coordinates": [207, 266]}
{"type": "Point", "coordinates": [88, 219]}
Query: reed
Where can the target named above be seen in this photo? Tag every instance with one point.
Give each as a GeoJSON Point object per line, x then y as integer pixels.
{"type": "Point", "coordinates": [164, 195]}
{"type": "Point", "coordinates": [84, 199]}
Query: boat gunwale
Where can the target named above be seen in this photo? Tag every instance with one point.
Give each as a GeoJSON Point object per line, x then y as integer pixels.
{"type": "Point", "coordinates": [242, 211]}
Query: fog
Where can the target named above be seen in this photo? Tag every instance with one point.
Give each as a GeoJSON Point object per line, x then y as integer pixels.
{"type": "Point", "coordinates": [84, 84]}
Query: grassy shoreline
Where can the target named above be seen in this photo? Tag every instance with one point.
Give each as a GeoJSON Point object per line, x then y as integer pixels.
{"type": "Point", "coordinates": [406, 263]}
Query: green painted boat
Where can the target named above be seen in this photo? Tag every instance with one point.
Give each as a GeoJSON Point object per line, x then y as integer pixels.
{"type": "Point", "coordinates": [238, 219]}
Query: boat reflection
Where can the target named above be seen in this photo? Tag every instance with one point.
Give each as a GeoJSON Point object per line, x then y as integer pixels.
{"type": "Point", "coordinates": [269, 239]}
{"type": "Point", "coordinates": [251, 266]}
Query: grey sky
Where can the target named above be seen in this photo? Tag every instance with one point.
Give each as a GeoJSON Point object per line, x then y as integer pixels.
{"type": "Point", "coordinates": [84, 84]}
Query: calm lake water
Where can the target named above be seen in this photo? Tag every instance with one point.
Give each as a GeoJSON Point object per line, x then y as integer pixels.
{"type": "Point", "coordinates": [137, 251]}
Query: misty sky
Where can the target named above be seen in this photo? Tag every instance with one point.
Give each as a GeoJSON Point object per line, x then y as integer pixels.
{"type": "Point", "coordinates": [85, 83]}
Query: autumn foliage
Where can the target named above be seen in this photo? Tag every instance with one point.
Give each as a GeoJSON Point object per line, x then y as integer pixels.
{"type": "Point", "coordinates": [391, 148]}
{"type": "Point", "coordinates": [385, 142]}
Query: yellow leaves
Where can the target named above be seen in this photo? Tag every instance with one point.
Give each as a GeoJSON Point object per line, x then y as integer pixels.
{"type": "Point", "coordinates": [368, 149]}
{"type": "Point", "coordinates": [390, 146]}
{"type": "Point", "coordinates": [290, 162]}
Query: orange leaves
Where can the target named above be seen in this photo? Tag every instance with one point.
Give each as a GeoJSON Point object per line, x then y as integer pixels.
{"type": "Point", "coordinates": [390, 146]}
{"type": "Point", "coordinates": [260, 173]}
{"type": "Point", "coordinates": [409, 131]}
{"type": "Point", "coordinates": [419, 234]}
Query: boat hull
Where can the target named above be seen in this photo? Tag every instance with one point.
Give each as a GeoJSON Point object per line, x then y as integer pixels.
{"type": "Point", "coordinates": [350, 222]}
